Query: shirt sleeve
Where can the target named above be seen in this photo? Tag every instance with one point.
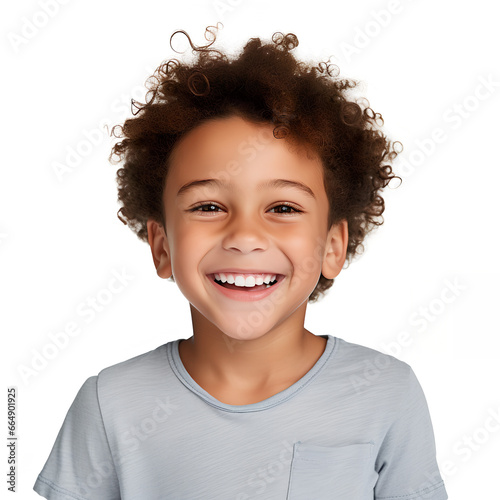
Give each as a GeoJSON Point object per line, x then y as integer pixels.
{"type": "Point", "coordinates": [80, 465]}
{"type": "Point", "coordinates": [406, 462]}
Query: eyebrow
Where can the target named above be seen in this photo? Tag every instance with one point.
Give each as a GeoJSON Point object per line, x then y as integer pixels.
{"type": "Point", "coordinates": [273, 183]}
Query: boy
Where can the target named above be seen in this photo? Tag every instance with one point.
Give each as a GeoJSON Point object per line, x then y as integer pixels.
{"type": "Point", "coordinates": [252, 181]}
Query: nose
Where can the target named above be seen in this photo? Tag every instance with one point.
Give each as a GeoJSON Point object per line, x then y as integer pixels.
{"type": "Point", "coordinates": [245, 234]}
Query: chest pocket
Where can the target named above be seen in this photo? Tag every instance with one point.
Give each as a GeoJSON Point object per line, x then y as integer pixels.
{"type": "Point", "coordinates": [330, 472]}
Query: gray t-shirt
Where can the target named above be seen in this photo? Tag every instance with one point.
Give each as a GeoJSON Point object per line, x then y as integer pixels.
{"type": "Point", "coordinates": [355, 427]}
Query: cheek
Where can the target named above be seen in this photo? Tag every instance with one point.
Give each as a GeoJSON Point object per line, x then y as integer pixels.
{"type": "Point", "coordinates": [187, 251]}
{"type": "Point", "coordinates": [306, 254]}
{"type": "Point", "coordinates": [299, 240]}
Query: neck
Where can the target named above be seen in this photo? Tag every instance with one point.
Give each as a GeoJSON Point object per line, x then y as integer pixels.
{"type": "Point", "coordinates": [280, 356]}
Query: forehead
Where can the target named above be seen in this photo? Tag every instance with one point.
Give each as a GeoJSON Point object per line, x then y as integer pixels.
{"type": "Point", "coordinates": [238, 151]}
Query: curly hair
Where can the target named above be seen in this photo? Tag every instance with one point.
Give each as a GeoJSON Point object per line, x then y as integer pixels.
{"type": "Point", "coordinates": [265, 84]}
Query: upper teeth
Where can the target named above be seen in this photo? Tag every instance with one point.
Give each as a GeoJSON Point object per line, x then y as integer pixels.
{"type": "Point", "coordinates": [242, 280]}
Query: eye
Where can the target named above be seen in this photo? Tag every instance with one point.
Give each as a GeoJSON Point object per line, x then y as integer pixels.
{"type": "Point", "coordinates": [214, 208]}
{"type": "Point", "coordinates": [204, 205]}
{"type": "Point", "coordinates": [296, 210]}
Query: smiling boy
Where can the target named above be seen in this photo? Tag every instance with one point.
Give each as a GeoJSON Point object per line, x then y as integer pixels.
{"type": "Point", "coordinates": [253, 181]}
{"type": "Point", "coordinates": [249, 235]}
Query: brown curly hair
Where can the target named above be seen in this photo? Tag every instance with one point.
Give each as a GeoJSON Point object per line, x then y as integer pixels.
{"type": "Point", "coordinates": [264, 84]}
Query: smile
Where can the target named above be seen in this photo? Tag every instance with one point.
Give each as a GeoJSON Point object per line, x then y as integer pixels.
{"type": "Point", "coordinates": [245, 287]}
{"type": "Point", "coordinates": [245, 280]}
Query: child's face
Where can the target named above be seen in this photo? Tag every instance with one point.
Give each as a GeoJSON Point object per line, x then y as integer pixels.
{"type": "Point", "coordinates": [245, 228]}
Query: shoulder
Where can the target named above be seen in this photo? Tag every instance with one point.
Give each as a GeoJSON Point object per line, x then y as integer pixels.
{"type": "Point", "coordinates": [369, 370]}
{"type": "Point", "coordinates": [361, 356]}
{"type": "Point", "coordinates": [139, 362]}
{"type": "Point", "coordinates": [121, 378]}
{"type": "Point", "coordinates": [133, 389]}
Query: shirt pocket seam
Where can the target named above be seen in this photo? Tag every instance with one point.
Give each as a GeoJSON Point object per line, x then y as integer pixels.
{"type": "Point", "coordinates": [311, 457]}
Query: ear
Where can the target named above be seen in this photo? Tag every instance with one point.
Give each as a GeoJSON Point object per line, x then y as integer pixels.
{"type": "Point", "coordinates": [158, 242]}
{"type": "Point", "coordinates": [335, 250]}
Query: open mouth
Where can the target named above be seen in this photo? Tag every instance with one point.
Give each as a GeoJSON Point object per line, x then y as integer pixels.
{"type": "Point", "coordinates": [254, 288]}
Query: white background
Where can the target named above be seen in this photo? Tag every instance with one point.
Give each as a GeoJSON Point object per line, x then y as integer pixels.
{"type": "Point", "coordinates": [61, 240]}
